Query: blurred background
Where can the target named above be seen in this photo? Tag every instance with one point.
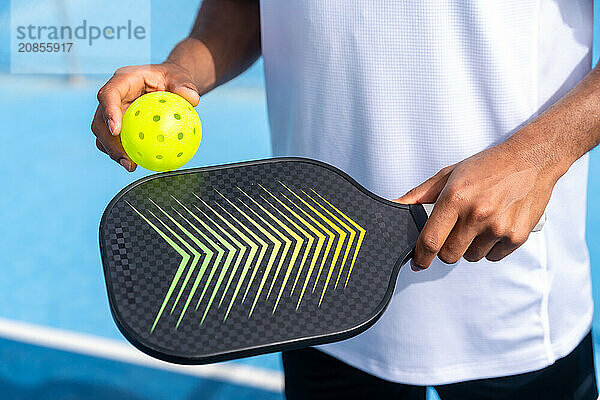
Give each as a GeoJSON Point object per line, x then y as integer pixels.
{"type": "Point", "coordinates": [57, 337]}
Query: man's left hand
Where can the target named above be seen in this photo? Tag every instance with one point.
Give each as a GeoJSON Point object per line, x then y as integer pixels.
{"type": "Point", "coordinates": [486, 206]}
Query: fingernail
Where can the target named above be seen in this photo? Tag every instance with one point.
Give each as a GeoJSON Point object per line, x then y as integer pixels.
{"type": "Point", "coordinates": [402, 199]}
{"type": "Point", "coordinates": [125, 163]}
{"type": "Point", "coordinates": [414, 266]}
{"type": "Point", "coordinates": [111, 126]}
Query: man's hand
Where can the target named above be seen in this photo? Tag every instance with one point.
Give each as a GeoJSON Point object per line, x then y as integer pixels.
{"type": "Point", "coordinates": [224, 42]}
{"type": "Point", "coordinates": [126, 85]}
{"type": "Point", "coordinates": [486, 206]}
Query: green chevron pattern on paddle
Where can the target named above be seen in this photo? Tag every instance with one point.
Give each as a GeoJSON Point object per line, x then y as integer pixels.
{"type": "Point", "coordinates": [254, 239]}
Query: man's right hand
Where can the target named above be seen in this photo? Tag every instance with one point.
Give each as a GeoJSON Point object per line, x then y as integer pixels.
{"type": "Point", "coordinates": [224, 42]}
{"type": "Point", "coordinates": [126, 85]}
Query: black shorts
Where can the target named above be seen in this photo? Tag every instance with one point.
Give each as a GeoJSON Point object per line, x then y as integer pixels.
{"type": "Point", "coordinates": [311, 374]}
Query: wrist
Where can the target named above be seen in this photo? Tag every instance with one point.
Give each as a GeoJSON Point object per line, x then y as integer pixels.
{"type": "Point", "coordinates": [531, 148]}
{"type": "Point", "coordinates": [193, 56]}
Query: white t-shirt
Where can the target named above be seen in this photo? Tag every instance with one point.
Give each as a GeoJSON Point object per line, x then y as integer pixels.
{"type": "Point", "coordinates": [391, 91]}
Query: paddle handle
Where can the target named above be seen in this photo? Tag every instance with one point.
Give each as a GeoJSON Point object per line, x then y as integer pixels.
{"type": "Point", "coordinates": [538, 227]}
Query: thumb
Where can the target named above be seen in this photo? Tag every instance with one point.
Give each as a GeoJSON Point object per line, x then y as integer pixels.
{"type": "Point", "coordinates": [428, 191]}
{"type": "Point", "coordinates": [187, 90]}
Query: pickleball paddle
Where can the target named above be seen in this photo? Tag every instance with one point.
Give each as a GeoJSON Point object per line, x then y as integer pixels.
{"type": "Point", "coordinates": [217, 263]}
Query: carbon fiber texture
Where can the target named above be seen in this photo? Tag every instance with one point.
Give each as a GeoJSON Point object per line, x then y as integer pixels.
{"type": "Point", "coordinates": [141, 266]}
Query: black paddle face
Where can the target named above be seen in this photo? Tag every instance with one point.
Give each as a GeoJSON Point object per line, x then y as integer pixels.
{"type": "Point", "coordinates": [225, 262]}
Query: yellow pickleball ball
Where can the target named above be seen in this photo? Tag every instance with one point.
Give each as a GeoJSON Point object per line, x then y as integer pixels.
{"type": "Point", "coordinates": [161, 131]}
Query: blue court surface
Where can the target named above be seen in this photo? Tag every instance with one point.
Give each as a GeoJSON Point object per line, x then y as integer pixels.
{"type": "Point", "coordinates": [57, 337]}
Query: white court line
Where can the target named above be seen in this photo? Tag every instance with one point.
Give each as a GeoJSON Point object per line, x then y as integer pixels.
{"type": "Point", "coordinates": [60, 339]}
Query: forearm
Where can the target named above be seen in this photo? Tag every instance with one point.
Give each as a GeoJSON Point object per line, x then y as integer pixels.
{"type": "Point", "coordinates": [224, 42]}
{"type": "Point", "coordinates": [566, 131]}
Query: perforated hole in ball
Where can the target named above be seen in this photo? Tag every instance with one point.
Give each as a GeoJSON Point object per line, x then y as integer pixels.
{"type": "Point", "coordinates": [159, 157]}
{"type": "Point", "coordinates": [156, 118]}
{"type": "Point", "coordinates": [160, 138]}
{"type": "Point", "coordinates": [180, 154]}
{"type": "Point", "coordinates": [162, 101]}
{"type": "Point", "coordinates": [180, 135]}
{"type": "Point", "coordinates": [141, 135]}
{"type": "Point", "coordinates": [137, 113]}
{"type": "Point", "coordinates": [177, 116]}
